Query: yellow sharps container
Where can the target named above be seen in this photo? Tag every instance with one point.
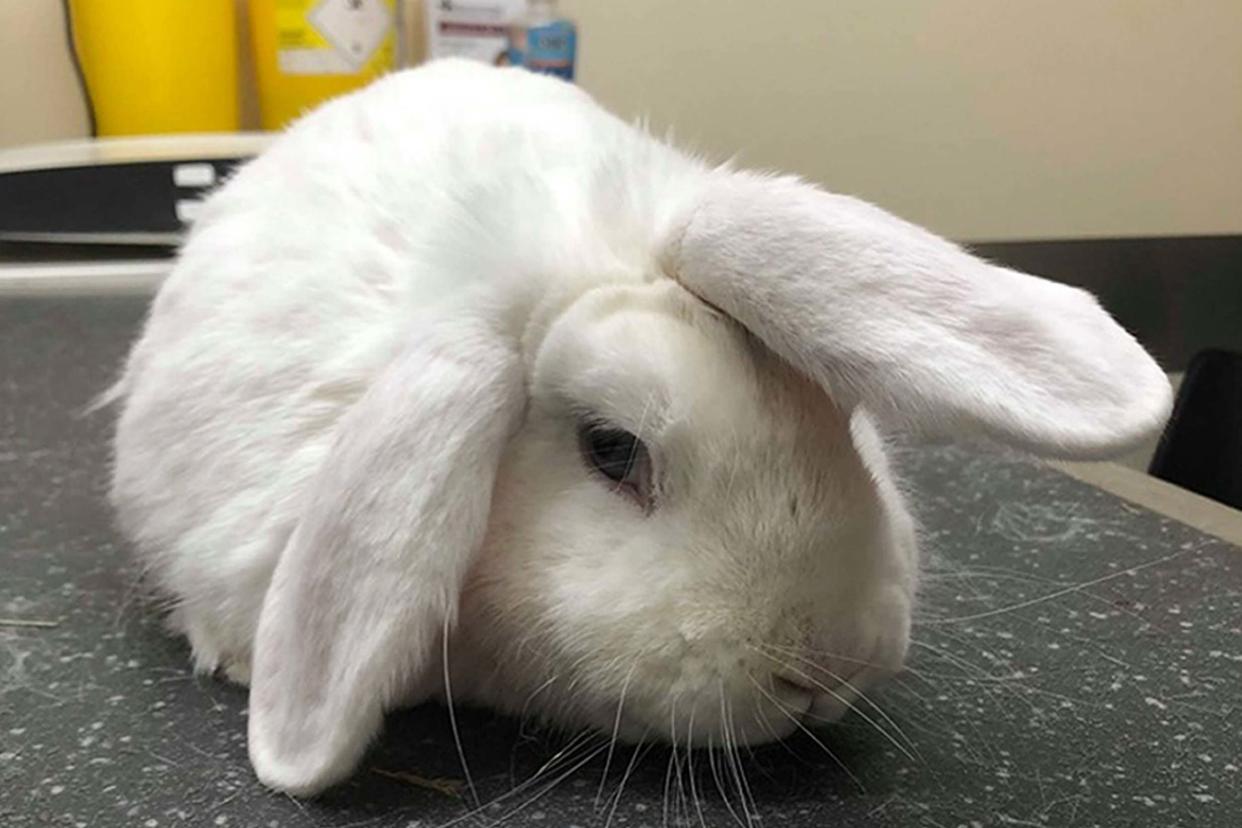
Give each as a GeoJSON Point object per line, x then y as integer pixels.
{"type": "Point", "coordinates": [158, 66]}
{"type": "Point", "coordinates": [306, 51]}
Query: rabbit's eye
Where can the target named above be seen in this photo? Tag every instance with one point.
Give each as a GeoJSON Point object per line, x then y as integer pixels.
{"type": "Point", "coordinates": [611, 451]}
{"type": "Point", "coordinates": [619, 456]}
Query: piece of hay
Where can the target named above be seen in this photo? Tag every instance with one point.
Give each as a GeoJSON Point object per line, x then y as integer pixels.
{"type": "Point", "coordinates": [448, 787]}
{"type": "Point", "coordinates": [27, 622]}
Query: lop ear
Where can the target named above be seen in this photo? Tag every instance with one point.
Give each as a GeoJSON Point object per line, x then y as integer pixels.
{"type": "Point", "coordinates": [373, 571]}
{"type": "Point", "coordinates": [884, 314]}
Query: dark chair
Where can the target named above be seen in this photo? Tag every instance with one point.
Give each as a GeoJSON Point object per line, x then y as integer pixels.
{"type": "Point", "coordinates": [1201, 449]}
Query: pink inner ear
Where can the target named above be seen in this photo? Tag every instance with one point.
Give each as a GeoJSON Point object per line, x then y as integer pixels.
{"type": "Point", "coordinates": [925, 336]}
{"type": "Point", "coordinates": [394, 519]}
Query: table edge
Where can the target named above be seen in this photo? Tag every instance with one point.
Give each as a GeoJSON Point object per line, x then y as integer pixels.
{"type": "Point", "coordinates": [1184, 506]}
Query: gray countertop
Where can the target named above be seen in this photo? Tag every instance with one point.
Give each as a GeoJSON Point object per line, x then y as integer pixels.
{"type": "Point", "coordinates": [1078, 661]}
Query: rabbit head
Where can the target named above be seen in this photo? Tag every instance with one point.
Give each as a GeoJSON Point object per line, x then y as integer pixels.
{"type": "Point", "coordinates": [685, 542]}
{"type": "Point", "coordinates": [657, 505]}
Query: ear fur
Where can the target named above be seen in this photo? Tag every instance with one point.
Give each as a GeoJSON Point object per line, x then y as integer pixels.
{"type": "Point", "coordinates": [372, 573]}
{"type": "Point", "coordinates": [884, 314]}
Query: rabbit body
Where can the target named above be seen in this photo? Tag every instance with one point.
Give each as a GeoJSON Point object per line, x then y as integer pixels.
{"type": "Point", "coordinates": [303, 274]}
{"type": "Point", "coordinates": [373, 421]}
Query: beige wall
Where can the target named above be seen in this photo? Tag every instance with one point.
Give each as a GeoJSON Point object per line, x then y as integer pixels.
{"type": "Point", "coordinates": [39, 97]}
{"type": "Point", "coordinates": [981, 119]}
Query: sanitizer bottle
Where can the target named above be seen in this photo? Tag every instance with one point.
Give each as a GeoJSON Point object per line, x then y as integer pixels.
{"type": "Point", "coordinates": [544, 42]}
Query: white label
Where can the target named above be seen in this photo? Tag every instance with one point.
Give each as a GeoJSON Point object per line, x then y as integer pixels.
{"type": "Point", "coordinates": [355, 28]}
{"type": "Point", "coordinates": [194, 175]}
{"type": "Point", "coordinates": [475, 29]}
{"type": "Point", "coordinates": [188, 209]}
{"type": "Point", "coordinates": [480, 47]}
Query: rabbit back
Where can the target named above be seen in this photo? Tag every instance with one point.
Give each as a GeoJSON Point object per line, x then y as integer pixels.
{"type": "Point", "coordinates": [302, 276]}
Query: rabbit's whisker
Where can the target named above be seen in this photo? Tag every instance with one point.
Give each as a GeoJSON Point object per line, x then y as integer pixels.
{"type": "Point", "coordinates": [1069, 590]}
{"type": "Point", "coordinates": [578, 742]}
{"type": "Point", "coordinates": [922, 674]}
{"type": "Point", "coordinates": [861, 662]}
{"type": "Point", "coordinates": [752, 812]}
{"type": "Point", "coordinates": [909, 749]}
{"type": "Point", "coordinates": [974, 673]}
{"type": "Point", "coordinates": [679, 792]}
{"type": "Point", "coordinates": [749, 808]}
{"type": "Point", "coordinates": [672, 759]}
{"type": "Point", "coordinates": [1017, 686]}
{"type": "Point", "coordinates": [638, 432]}
{"type": "Point", "coordinates": [712, 758]}
{"type": "Point", "coordinates": [578, 765]}
{"type": "Point", "coordinates": [930, 710]}
{"type": "Point", "coordinates": [798, 723]}
{"type": "Point", "coordinates": [694, 793]}
{"type": "Point", "coordinates": [524, 716]}
{"type": "Point", "coordinates": [948, 683]}
{"type": "Point", "coordinates": [667, 773]}
{"type": "Point", "coordinates": [972, 576]}
{"type": "Point", "coordinates": [640, 750]}
{"type": "Point", "coordinates": [448, 695]}
{"type": "Point", "coordinates": [766, 726]}
{"type": "Point", "coordinates": [616, 726]}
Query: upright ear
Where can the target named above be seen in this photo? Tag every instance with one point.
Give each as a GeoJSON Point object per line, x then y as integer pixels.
{"type": "Point", "coordinates": [373, 571]}
{"type": "Point", "coordinates": [884, 314]}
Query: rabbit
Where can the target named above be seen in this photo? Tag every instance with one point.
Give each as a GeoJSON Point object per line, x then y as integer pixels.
{"type": "Point", "coordinates": [464, 384]}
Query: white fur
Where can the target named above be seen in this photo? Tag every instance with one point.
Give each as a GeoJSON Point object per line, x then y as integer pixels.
{"type": "Point", "coordinates": [349, 427]}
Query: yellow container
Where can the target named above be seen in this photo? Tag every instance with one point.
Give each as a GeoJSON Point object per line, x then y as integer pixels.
{"type": "Point", "coordinates": [157, 66]}
{"type": "Point", "coordinates": [306, 51]}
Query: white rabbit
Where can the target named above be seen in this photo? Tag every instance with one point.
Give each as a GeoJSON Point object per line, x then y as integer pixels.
{"type": "Point", "coordinates": [465, 364]}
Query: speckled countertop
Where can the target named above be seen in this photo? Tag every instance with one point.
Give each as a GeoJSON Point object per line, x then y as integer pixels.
{"type": "Point", "coordinates": [1078, 662]}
